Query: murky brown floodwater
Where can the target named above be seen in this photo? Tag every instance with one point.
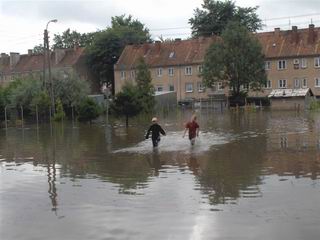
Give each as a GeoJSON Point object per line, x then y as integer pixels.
{"type": "Point", "coordinates": [249, 176]}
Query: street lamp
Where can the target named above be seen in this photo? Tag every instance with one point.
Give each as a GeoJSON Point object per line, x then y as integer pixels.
{"type": "Point", "coordinates": [47, 55]}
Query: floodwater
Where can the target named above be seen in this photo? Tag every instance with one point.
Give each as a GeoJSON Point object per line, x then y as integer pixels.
{"type": "Point", "coordinates": [252, 175]}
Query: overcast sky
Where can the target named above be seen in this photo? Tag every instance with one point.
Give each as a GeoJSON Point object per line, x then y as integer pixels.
{"type": "Point", "coordinates": [22, 21]}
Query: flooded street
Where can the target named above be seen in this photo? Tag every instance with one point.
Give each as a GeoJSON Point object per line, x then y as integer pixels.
{"type": "Point", "coordinates": [252, 175]}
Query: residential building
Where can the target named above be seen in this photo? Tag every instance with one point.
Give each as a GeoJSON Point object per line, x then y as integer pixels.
{"type": "Point", "coordinates": [292, 61]}
{"type": "Point", "coordinates": [64, 62]}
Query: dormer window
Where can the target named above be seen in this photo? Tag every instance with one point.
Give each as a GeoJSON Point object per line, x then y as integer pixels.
{"type": "Point", "coordinates": [171, 55]}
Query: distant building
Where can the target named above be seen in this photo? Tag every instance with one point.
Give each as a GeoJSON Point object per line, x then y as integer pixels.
{"type": "Point", "coordinates": [292, 61]}
{"type": "Point", "coordinates": [64, 62]}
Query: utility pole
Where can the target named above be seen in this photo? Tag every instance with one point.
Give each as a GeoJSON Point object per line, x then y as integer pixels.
{"type": "Point", "coordinates": [44, 57]}
{"type": "Point", "coordinates": [47, 58]}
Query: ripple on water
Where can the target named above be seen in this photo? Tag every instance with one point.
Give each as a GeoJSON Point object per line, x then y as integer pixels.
{"type": "Point", "coordinates": [173, 142]}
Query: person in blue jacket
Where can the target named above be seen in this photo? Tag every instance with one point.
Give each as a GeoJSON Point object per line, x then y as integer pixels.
{"type": "Point", "coordinates": [155, 129]}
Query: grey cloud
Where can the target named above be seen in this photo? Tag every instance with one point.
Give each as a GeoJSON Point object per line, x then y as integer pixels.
{"type": "Point", "coordinates": [93, 12]}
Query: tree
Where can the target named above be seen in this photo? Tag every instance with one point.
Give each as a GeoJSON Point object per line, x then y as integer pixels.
{"type": "Point", "coordinates": [60, 114]}
{"type": "Point", "coordinates": [144, 86]}
{"type": "Point", "coordinates": [38, 49]}
{"type": "Point", "coordinates": [70, 39]}
{"type": "Point", "coordinates": [236, 59]}
{"type": "Point", "coordinates": [88, 110]}
{"type": "Point", "coordinates": [71, 89]}
{"type": "Point", "coordinates": [108, 44]}
{"type": "Point", "coordinates": [215, 15]}
{"type": "Point", "coordinates": [126, 102]}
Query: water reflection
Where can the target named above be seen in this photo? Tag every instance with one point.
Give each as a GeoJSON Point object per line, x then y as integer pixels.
{"type": "Point", "coordinates": [112, 173]}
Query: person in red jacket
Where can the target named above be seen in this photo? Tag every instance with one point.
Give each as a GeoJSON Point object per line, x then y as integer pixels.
{"type": "Point", "coordinates": [193, 129]}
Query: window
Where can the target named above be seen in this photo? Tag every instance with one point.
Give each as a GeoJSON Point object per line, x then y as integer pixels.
{"type": "Point", "coordinates": [123, 75]}
{"type": "Point", "coordinates": [188, 71]}
{"type": "Point", "coordinates": [282, 83]}
{"type": "Point", "coordinates": [297, 83]}
{"type": "Point", "coordinates": [159, 88]}
{"type": "Point", "coordinates": [317, 82]}
{"type": "Point", "coordinates": [317, 62]}
{"type": "Point", "coordinates": [133, 74]}
{"type": "Point", "coordinates": [170, 71]}
{"type": "Point", "coordinates": [282, 64]}
{"type": "Point", "coordinates": [159, 72]}
{"type": "Point", "coordinates": [171, 55]}
{"type": "Point", "coordinates": [303, 63]}
{"type": "Point", "coordinates": [200, 87]}
{"type": "Point", "coordinates": [268, 84]}
{"type": "Point", "coordinates": [189, 87]}
{"type": "Point", "coordinates": [200, 68]}
{"type": "Point", "coordinates": [171, 87]}
{"type": "Point", "coordinates": [219, 86]}
{"type": "Point", "coordinates": [267, 65]}
{"type": "Point", "coordinates": [304, 83]}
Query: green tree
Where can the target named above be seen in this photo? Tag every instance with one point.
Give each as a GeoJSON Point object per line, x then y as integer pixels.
{"type": "Point", "coordinates": [145, 88]}
{"type": "Point", "coordinates": [69, 39]}
{"type": "Point", "coordinates": [71, 89]}
{"type": "Point", "coordinates": [236, 59]}
{"type": "Point", "coordinates": [126, 102]}
{"type": "Point", "coordinates": [215, 15]}
{"type": "Point", "coordinates": [42, 102]}
{"type": "Point", "coordinates": [108, 44]}
{"type": "Point", "coordinates": [38, 49]}
{"type": "Point", "coordinates": [60, 114]}
{"type": "Point", "coordinates": [88, 110]}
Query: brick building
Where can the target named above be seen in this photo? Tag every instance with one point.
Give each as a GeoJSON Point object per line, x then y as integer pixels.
{"type": "Point", "coordinates": [64, 62]}
{"type": "Point", "coordinates": [292, 61]}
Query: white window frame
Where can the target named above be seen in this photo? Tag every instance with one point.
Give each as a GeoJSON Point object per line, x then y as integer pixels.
{"type": "Point", "coordinates": [172, 54]}
{"type": "Point", "coordinates": [304, 82]}
{"type": "Point", "coordinates": [267, 65]}
{"type": "Point", "coordinates": [282, 64]}
{"type": "Point", "coordinates": [200, 68]}
{"type": "Point", "coordinates": [133, 74]}
{"type": "Point", "coordinates": [200, 87]}
{"type": "Point", "coordinates": [189, 90]}
{"type": "Point", "coordinates": [304, 63]}
{"type": "Point", "coordinates": [170, 71]}
{"type": "Point", "coordinates": [268, 84]}
{"type": "Point", "coordinates": [219, 86]}
{"type": "Point", "coordinates": [282, 83]}
{"type": "Point", "coordinates": [188, 71]}
{"type": "Point", "coordinates": [159, 72]}
{"type": "Point", "coordinates": [297, 83]}
{"type": "Point", "coordinates": [317, 82]}
{"type": "Point", "coordinates": [123, 75]}
{"type": "Point", "coordinates": [317, 62]}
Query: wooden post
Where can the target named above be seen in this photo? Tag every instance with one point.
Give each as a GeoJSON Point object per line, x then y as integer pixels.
{"type": "Point", "coordinates": [22, 125]}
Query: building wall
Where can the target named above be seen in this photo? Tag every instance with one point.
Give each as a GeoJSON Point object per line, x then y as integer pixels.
{"type": "Point", "coordinates": [297, 103]}
{"type": "Point", "coordinates": [178, 81]}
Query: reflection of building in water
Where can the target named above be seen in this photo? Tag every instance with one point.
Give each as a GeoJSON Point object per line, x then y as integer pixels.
{"type": "Point", "coordinates": [293, 147]}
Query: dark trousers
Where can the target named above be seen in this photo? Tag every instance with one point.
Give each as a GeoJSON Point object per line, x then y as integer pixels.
{"type": "Point", "coordinates": [155, 141]}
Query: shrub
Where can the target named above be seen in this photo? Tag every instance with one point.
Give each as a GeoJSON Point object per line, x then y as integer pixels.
{"type": "Point", "coordinates": [88, 110]}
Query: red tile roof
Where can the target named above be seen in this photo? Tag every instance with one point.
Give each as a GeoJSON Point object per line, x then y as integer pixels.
{"type": "Point", "coordinates": [34, 62]}
{"type": "Point", "coordinates": [276, 44]}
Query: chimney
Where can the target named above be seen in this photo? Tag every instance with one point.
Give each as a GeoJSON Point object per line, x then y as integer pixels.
{"type": "Point", "coordinates": [294, 35]}
{"type": "Point", "coordinates": [157, 46]}
{"type": "Point", "coordinates": [30, 52]}
{"type": "Point", "coordinates": [59, 55]}
{"type": "Point", "coordinates": [311, 34]}
{"type": "Point", "coordinates": [177, 39]}
{"type": "Point", "coordinates": [277, 31]}
{"type": "Point", "coordinates": [3, 55]}
{"type": "Point", "coordinates": [14, 59]}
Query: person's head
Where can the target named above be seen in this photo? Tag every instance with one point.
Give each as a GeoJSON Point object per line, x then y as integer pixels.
{"type": "Point", "coordinates": [154, 120]}
{"type": "Point", "coordinates": [194, 118]}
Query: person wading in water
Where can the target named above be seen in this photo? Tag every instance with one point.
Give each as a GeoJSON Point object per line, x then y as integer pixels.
{"type": "Point", "coordinates": [156, 129]}
{"type": "Point", "coordinates": [193, 128]}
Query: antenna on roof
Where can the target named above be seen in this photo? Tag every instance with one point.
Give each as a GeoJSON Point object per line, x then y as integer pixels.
{"type": "Point", "coordinates": [289, 23]}
{"type": "Point", "coordinates": [311, 21]}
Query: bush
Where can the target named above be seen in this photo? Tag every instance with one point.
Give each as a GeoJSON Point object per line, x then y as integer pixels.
{"type": "Point", "coordinates": [59, 115]}
{"type": "Point", "coordinates": [88, 110]}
